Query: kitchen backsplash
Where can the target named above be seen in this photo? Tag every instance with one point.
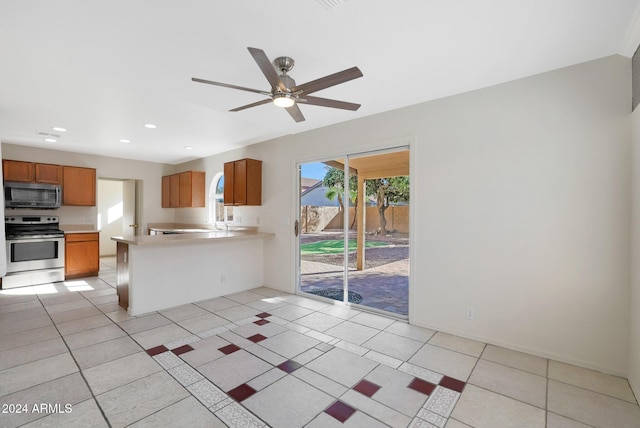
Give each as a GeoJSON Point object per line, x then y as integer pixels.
{"type": "Point", "coordinates": [67, 214]}
{"type": "Point", "coordinates": [242, 215]}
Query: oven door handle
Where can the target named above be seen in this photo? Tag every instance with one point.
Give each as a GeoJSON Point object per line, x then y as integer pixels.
{"type": "Point", "coordinates": [30, 240]}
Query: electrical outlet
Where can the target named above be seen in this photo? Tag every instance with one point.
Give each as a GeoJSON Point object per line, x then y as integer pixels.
{"type": "Point", "coordinates": [469, 313]}
{"type": "Point", "coordinates": [222, 279]}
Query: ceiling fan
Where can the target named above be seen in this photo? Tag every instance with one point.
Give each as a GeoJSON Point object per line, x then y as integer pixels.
{"type": "Point", "coordinates": [284, 91]}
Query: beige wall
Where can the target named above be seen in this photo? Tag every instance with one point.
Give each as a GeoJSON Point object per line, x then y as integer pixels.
{"type": "Point", "coordinates": [520, 209]}
{"type": "Point", "coordinates": [109, 196]}
{"type": "Point", "coordinates": [316, 219]}
{"type": "Point", "coordinates": [106, 167]}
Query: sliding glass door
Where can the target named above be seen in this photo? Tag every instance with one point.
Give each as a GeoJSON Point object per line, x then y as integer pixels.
{"type": "Point", "coordinates": [354, 229]}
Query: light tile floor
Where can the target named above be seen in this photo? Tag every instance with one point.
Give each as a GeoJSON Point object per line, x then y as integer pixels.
{"type": "Point", "coordinates": [69, 356]}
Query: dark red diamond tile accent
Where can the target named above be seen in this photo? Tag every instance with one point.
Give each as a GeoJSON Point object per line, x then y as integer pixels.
{"type": "Point", "coordinates": [367, 388]}
{"type": "Point", "coordinates": [229, 349]}
{"type": "Point", "coordinates": [264, 315]}
{"type": "Point", "coordinates": [421, 386]}
{"type": "Point", "coordinates": [340, 411]}
{"type": "Point", "coordinates": [182, 349]}
{"type": "Point", "coordinates": [256, 338]}
{"type": "Point", "coordinates": [289, 366]}
{"type": "Point", "coordinates": [241, 392]}
{"type": "Point", "coordinates": [451, 383]}
{"type": "Point", "coordinates": [261, 322]}
{"type": "Point", "coordinates": [157, 350]}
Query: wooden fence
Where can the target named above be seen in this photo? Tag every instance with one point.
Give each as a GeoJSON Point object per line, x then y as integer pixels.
{"type": "Point", "coordinates": [316, 219]}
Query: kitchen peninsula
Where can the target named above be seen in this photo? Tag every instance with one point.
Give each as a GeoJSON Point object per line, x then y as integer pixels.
{"type": "Point", "coordinates": [163, 271]}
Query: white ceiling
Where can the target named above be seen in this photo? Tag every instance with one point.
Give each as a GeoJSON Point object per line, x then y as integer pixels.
{"type": "Point", "coordinates": [102, 69]}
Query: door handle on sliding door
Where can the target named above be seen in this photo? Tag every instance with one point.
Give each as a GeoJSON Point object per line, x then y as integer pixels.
{"type": "Point", "coordinates": [295, 227]}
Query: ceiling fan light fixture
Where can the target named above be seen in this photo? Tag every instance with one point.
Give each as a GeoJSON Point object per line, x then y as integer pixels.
{"type": "Point", "coordinates": [283, 100]}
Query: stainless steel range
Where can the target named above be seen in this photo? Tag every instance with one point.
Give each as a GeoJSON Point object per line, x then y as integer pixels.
{"type": "Point", "coordinates": [35, 251]}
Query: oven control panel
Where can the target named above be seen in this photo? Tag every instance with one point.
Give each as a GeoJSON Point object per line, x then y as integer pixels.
{"type": "Point", "coordinates": [31, 220]}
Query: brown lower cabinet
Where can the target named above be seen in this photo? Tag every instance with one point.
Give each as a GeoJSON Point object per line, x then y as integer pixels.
{"type": "Point", "coordinates": [81, 255]}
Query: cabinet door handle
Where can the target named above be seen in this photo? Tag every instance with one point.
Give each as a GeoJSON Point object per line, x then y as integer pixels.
{"type": "Point", "coordinates": [295, 227]}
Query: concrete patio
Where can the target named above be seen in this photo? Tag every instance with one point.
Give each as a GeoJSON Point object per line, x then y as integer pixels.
{"type": "Point", "coordinates": [384, 287]}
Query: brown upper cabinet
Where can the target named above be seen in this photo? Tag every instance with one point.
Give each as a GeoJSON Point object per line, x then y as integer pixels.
{"type": "Point", "coordinates": [47, 173]}
{"type": "Point", "coordinates": [79, 186]}
{"type": "Point", "coordinates": [243, 182]}
{"type": "Point", "coordinates": [166, 191]}
{"type": "Point", "coordinates": [30, 172]}
{"type": "Point", "coordinates": [18, 171]}
{"type": "Point", "coordinates": [183, 190]}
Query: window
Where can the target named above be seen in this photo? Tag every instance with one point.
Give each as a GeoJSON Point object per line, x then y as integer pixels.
{"type": "Point", "coordinates": [217, 211]}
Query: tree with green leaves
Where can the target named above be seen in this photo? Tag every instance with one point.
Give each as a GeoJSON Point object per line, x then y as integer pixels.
{"type": "Point", "coordinates": [387, 191]}
{"type": "Point", "coordinates": [334, 180]}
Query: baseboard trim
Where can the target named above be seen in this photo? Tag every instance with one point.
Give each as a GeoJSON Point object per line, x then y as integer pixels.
{"type": "Point", "coordinates": [531, 351]}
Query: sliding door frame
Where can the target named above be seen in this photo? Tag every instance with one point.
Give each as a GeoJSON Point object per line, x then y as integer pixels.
{"type": "Point", "coordinates": [404, 143]}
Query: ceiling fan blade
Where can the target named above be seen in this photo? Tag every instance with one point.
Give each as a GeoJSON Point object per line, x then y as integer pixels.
{"type": "Point", "coordinates": [257, 103]}
{"type": "Point", "coordinates": [226, 85]}
{"type": "Point", "coordinates": [295, 113]}
{"type": "Point", "coordinates": [324, 102]}
{"type": "Point", "coordinates": [328, 81]}
{"type": "Point", "coordinates": [267, 68]}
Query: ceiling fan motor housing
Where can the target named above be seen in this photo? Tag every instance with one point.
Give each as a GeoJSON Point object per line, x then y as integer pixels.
{"type": "Point", "coordinates": [283, 64]}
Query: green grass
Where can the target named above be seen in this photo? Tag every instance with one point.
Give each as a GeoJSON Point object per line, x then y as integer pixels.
{"type": "Point", "coordinates": [333, 246]}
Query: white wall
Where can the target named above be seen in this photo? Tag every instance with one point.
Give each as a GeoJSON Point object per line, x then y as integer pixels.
{"type": "Point", "coordinates": [634, 336]}
{"type": "Point", "coordinates": [521, 209]}
{"type": "Point", "coordinates": [110, 193]}
{"type": "Point", "coordinates": [106, 167]}
{"type": "Point", "coordinates": [165, 276]}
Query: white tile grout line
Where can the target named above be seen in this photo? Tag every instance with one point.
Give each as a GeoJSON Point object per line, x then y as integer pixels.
{"type": "Point", "coordinates": [348, 346]}
{"type": "Point", "coordinates": [218, 409]}
{"type": "Point", "coordinates": [356, 349]}
{"type": "Point", "coordinates": [178, 361]}
{"type": "Point", "coordinates": [76, 361]}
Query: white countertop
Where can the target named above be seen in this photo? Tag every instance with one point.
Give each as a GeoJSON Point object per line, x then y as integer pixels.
{"type": "Point", "coordinates": [193, 237]}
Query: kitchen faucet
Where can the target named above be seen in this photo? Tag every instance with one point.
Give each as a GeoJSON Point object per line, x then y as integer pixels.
{"type": "Point", "coordinates": [226, 226]}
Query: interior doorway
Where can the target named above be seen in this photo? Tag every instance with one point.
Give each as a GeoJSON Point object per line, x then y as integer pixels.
{"type": "Point", "coordinates": [353, 240]}
{"type": "Point", "coordinates": [118, 213]}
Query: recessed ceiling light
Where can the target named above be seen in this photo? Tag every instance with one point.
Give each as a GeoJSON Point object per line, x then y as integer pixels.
{"type": "Point", "coordinates": [188, 148]}
{"type": "Point", "coordinates": [150, 126]}
{"type": "Point", "coordinates": [125, 141]}
{"type": "Point", "coordinates": [59, 129]}
{"type": "Point", "coordinates": [50, 140]}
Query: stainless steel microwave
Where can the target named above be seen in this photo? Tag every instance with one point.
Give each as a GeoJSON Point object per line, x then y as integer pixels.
{"type": "Point", "coordinates": [32, 195]}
